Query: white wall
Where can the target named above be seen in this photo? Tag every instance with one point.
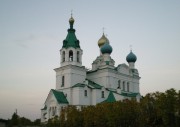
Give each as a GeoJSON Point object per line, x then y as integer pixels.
{"type": "Point", "coordinates": [72, 74]}
{"type": "Point", "coordinates": [109, 79]}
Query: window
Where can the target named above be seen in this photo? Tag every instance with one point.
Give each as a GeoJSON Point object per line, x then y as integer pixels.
{"type": "Point", "coordinates": [77, 56]}
{"type": "Point", "coordinates": [63, 56]}
{"type": "Point", "coordinates": [119, 84]}
{"type": "Point", "coordinates": [70, 55]}
{"type": "Point", "coordinates": [62, 85]}
{"type": "Point", "coordinates": [102, 94]}
{"type": "Point", "coordinates": [128, 86]}
{"type": "Point", "coordinates": [85, 93]}
{"type": "Point", "coordinates": [124, 85]}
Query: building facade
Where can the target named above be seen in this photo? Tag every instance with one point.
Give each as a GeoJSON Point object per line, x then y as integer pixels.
{"type": "Point", "coordinates": [105, 82]}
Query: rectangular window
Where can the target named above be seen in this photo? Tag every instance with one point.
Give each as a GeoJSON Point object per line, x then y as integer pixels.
{"type": "Point", "coordinates": [85, 93]}
{"type": "Point", "coordinates": [77, 56]}
{"type": "Point", "coordinates": [124, 85]}
{"type": "Point", "coordinates": [62, 85]}
{"type": "Point", "coordinates": [128, 86]}
{"type": "Point", "coordinates": [102, 94]}
{"type": "Point", "coordinates": [119, 84]}
{"type": "Point", "coordinates": [63, 56]}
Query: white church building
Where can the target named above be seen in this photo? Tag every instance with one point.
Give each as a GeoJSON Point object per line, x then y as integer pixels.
{"type": "Point", "coordinates": [76, 85]}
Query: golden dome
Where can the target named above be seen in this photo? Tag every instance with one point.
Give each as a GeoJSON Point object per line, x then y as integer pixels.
{"type": "Point", "coordinates": [71, 20]}
{"type": "Point", "coordinates": [102, 40]}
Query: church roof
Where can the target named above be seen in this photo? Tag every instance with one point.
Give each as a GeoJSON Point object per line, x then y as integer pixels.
{"type": "Point", "coordinates": [93, 84]}
{"type": "Point", "coordinates": [60, 97]}
{"type": "Point", "coordinates": [123, 93]}
{"type": "Point", "coordinates": [110, 98]}
{"type": "Point", "coordinates": [79, 85]}
{"type": "Point", "coordinates": [129, 94]}
{"type": "Point", "coordinates": [71, 40]}
{"type": "Point", "coordinates": [90, 84]}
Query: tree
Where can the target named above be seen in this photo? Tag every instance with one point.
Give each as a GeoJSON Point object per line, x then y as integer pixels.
{"type": "Point", "coordinates": [37, 122]}
{"type": "Point", "coordinates": [15, 120]}
{"type": "Point", "coordinates": [154, 110]}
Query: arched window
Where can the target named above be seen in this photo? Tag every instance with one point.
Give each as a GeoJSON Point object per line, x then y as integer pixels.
{"type": "Point", "coordinates": [102, 94]}
{"type": "Point", "coordinates": [62, 85]}
{"type": "Point", "coordinates": [85, 93]}
{"type": "Point", "coordinates": [119, 84]}
{"type": "Point", "coordinates": [70, 55]}
{"type": "Point", "coordinates": [128, 86]}
{"type": "Point", "coordinates": [63, 56]}
{"type": "Point", "coordinates": [124, 85]}
{"type": "Point", "coordinates": [77, 56]}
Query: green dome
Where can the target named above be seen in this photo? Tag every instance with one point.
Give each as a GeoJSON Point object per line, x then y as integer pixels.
{"type": "Point", "coordinates": [131, 57]}
{"type": "Point", "coordinates": [106, 48]}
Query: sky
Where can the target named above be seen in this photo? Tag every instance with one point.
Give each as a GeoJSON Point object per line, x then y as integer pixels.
{"type": "Point", "coordinates": [32, 32]}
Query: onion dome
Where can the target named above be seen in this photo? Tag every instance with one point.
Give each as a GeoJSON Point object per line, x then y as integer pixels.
{"type": "Point", "coordinates": [131, 57]}
{"type": "Point", "coordinates": [106, 48]}
{"type": "Point", "coordinates": [102, 40]}
{"type": "Point", "coordinates": [71, 20]}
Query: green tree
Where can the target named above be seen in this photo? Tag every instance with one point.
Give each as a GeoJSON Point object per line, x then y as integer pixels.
{"type": "Point", "coordinates": [15, 120]}
{"type": "Point", "coordinates": [62, 118]}
{"type": "Point", "coordinates": [37, 122]}
{"type": "Point", "coordinates": [24, 121]}
{"type": "Point", "coordinates": [154, 110]}
{"type": "Point", "coordinates": [88, 115]}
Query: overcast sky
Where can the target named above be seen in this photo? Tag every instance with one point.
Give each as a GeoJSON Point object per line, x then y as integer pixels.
{"type": "Point", "coordinates": [32, 31]}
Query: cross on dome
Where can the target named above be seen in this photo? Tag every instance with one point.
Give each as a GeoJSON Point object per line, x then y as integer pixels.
{"type": "Point", "coordinates": [130, 46]}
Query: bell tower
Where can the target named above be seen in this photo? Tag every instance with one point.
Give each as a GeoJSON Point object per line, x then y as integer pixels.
{"type": "Point", "coordinates": [71, 53]}
{"type": "Point", "coordinates": [71, 70]}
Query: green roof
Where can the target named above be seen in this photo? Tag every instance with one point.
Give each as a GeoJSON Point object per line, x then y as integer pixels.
{"type": "Point", "coordinates": [129, 94]}
{"type": "Point", "coordinates": [60, 97]}
{"type": "Point", "coordinates": [71, 40]}
{"type": "Point", "coordinates": [79, 85]}
{"type": "Point", "coordinates": [93, 84]}
{"type": "Point", "coordinates": [110, 98]}
{"type": "Point", "coordinates": [112, 89]}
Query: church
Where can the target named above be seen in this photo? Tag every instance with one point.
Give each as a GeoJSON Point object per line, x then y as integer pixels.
{"type": "Point", "coordinates": [76, 85]}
